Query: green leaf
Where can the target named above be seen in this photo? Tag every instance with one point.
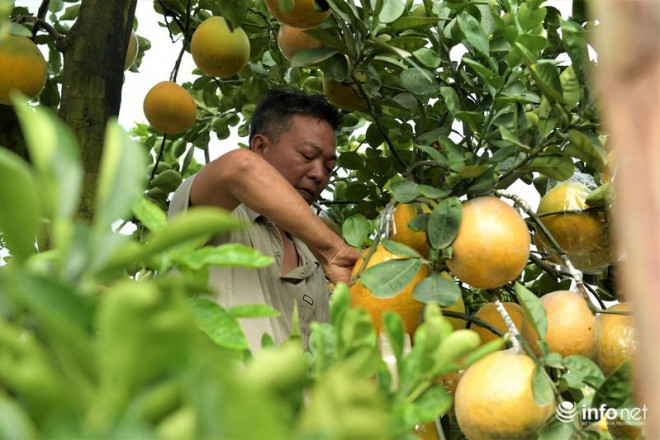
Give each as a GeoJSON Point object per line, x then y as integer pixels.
{"type": "Point", "coordinates": [435, 288]}
{"type": "Point", "coordinates": [601, 196]}
{"type": "Point", "coordinates": [252, 311]}
{"type": "Point", "coordinates": [219, 324]}
{"type": "Point", "coordinates": [54, 153]}
{"type": "Point", "coordinates": [20, 212]}
{"type": "Point", "coordinates": [309, 57]}
{"type": "Point", "coordinates": [167, 180]}
{"type": "Point", "coordinates": [585, 368]}
{"type": "Point", "coordinates": [542, 384]}
{"type": "Point", "coordinates": [616, 389]}
{"type": "Point", "coordinates": [227, 255]}
{"type": "Point", "coordinates": [15, 422]}
{"type": "Point", "coordinates": [432, 192]}
{"type": "Point", "coordinates": [411, 22]}
{"type": "Point", "coordinates": [547, 78]}
{"type": "Point", "coordinates": [533, 43]}
{"type": "Point", "coordinates": [431, 404]}
{"type": "Point", "coordinates": [355, 230]}
{"type": "Point", "coordinates": [149, 214]}
{"type": "Point", "coordinates": [404, 191]}
{"type": "Point", "coordinates": [555, 166]}
{"type": "Point", "coordinates": [534, 310]}
{"type": "Point", "coordinates": [428, 57]}
{"type": "Point", "coordinates": [451, 99]}
{"type": "Point", "coordinates": [557, 430]}
{"type": "Point", "coordinates": [474, 33]}
{"type": "Point", "coordinates": [570, 87]}
{"type": "Point", "coordinates": [416, 81]}
{"type": "Point", "coordinates": [390, 277]}
{"type": "Point", "coordinates": [339, 304]}
{"type": "Point", "coordinates": [351, 160]}
{"type": "Point", "coordinates": [444, 222]}
{"type": "Point", "coordinates": [391, 10]}
{"type": "Point", "coordinates": [585, 146]}
{"type": "Point", "coordinates": [70, 13]}
{"type": "Point", "coordinates": [357, 192]}
{"type": "Point", "coordinates": [399, 249]}
{"type": "Point", "coordinates": [395, 333]}
{"type": "Point", "coordinates": [120, 181]}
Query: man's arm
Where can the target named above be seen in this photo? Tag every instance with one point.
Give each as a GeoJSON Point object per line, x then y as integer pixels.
{"type": "Point", "coordinates": [242, 176]}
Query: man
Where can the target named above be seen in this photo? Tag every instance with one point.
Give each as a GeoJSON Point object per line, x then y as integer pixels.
{"type": "Point", "coordinates": [270, 187]}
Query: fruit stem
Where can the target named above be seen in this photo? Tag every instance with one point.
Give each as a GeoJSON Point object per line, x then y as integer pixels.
{"type": "Point", "coordinates": [473, 320]}
{"type": "Point", "coordinates": [510, 326]}
{"type": "Point", "coordinates": [575, 274]}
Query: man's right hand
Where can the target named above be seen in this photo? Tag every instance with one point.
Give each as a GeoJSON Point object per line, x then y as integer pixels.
{"type": "Point", "coordinates": [338, 262]}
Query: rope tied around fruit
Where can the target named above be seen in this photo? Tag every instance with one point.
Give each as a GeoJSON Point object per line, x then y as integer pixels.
{"type": "Point", "coordinates": [513, 331]}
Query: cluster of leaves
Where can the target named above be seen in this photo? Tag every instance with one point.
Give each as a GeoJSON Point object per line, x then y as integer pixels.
{"type": "Point", "coordinates": [89, 352]}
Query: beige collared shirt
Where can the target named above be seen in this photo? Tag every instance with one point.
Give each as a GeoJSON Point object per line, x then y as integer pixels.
{"type": "Point", "coordinates": [304, 285]}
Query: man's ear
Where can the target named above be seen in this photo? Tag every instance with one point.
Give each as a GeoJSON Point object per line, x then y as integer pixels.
{"type": "Point", "coordinates": [259, 143]}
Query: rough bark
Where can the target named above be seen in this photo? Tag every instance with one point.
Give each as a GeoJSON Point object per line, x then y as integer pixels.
{"type": "Point", "coordinates": [628, 77]}
{"type": "Point", "coordinates": [93, 74]}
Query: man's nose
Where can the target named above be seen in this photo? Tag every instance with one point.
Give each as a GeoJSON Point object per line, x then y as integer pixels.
{"type": "Point", "coordinates": [317, 171]}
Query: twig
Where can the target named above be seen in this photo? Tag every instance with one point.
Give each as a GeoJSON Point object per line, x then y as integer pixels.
{"type": "Point", "coordinates": [41, 15]}
{"type": "Point", "coordinates": [186, 40]}
{"type": "Point", "coordinates": [158, 159]}
{"type": "Point", "coordinates": [575, 274]}
{"type": "Point", "coordinates": [382, 131]}
{"type": "Point", "coordinates": [473, 320]}
{"type": "Point", "coordinates": [59, 38]}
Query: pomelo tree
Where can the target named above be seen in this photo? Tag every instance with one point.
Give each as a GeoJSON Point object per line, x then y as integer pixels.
{"type": "Point", "coordinates": [444, 102]}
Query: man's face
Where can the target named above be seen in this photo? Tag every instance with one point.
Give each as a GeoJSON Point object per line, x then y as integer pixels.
{"type": "Point", "coordinates": [304, 154]}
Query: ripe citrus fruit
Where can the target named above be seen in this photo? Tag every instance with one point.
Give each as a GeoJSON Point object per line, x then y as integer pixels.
{"type": "Point", "coordinates": [495, 400]}
{"type": "Point", "coordinates": [572, 328]}
{"type": "Point", "coordinates": [292, 40]}
{"type": "Point", "coordinates": [169, 108]}
{"type": "Point", "coordinates": [304, 13]}
{"type": "Point", "coordinates": [488, 313]}
{"type": "Point", "coordinates": [401, 232]}
{"type": "Point", "coordinates": [345, 94]}
{"type": "Point", "coordinates": [22, 68]}
{"type": "Point", "coordinates": [131, 51]}
{"type": "Point", "coordinates": [218, 51]}
{"type": "Point", "coordinates": [403, 303]}
{"type": "Point", "coordinates": [492, 246]}
{"type": "Point", "coordinates": [618, 338]}
{"type": "Point", "coordinates": [583, 235]}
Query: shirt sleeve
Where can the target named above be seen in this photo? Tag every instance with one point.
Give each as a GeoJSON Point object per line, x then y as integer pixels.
{"type": "Point", "coordinates": [181, 199]}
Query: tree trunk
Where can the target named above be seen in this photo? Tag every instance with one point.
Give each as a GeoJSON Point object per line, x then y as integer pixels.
{"type": "Point", "coordinates": [92, 80]}
{"type": "Point", "coordinates": [10, 132]}
{"type": "Point", "coordinates": [628, 75]}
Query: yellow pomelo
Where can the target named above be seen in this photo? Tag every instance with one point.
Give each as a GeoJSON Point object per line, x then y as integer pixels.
{"type": "Point", "coordinates": [572, 328]}
{"type": "Point", "coordinates": [217, 50]}
{"type": "Point", "coordinates": [401, 232]}
{"type": "Point", "coordinates": [169, 108]}
{"type": "Point", "coordinates": [403, 303]}
{"type": "Point", "coordinates": [495, 399]}
{"type": "Point", "coordinates": [492, 246]}
{"type": "Point", "coordinates": [345, 94]}
{"type": "Point", "coordinates": [585, 236]}
{"type": "Point", "coordinates": [292, 40]}
{"type": "Point", "coordinates": [304, 13]}
{"type": "Point", "coordinates": [618, 338]}
{"type": "Point", "coordinates": [22, 68]}
{"type": "Point", "coordinates": [131, 51]}
{"type": "Point", "coordinates": [488, 313]}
